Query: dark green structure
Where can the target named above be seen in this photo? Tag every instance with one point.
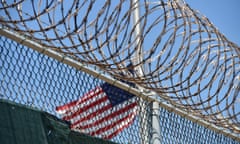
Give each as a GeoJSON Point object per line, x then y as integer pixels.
{"type": "Point", "coordinates": [21, 124]}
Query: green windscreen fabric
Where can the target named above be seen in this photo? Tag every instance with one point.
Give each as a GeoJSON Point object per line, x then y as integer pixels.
{"type": "Point", "coordinates": [24, 125]}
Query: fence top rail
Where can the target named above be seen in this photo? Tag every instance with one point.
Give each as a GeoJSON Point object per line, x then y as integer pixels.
{"type": "Point", "coordinates": [184, 59]}
{"type": "Point", "coordinates": [94, 71]}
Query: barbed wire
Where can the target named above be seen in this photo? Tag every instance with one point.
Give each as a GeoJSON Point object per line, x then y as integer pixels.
{"type": "Point", "coordinates": [184, 59]}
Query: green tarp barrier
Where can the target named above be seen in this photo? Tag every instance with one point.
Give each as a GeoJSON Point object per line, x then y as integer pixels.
{"type": "Point", "coordinates": [24, 125]}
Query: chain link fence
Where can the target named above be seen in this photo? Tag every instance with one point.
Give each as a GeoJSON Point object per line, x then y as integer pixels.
{"type": "Point", "coordinates": [31, 78]}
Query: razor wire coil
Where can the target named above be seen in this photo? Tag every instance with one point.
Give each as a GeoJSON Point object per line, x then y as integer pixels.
{"type": "Point", "coordinates": [184, 59]}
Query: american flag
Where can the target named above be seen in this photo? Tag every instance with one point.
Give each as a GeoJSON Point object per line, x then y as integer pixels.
{"type": "Point", "coordinates": [104, 111]}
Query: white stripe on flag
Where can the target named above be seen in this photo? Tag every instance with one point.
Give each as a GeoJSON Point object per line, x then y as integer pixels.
{"type": "Point", "coordinates": [110, 115]}
{"type": "Point", "coordinates": [93, 114]}
{"type": "Point", "coordinates": [105, 114]}
{"type": "Point", "coordinates": [85, 108]}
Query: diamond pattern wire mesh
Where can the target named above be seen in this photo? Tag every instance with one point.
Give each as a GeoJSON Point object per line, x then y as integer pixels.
{"type": "Point", "coordinates": [36, 80]}
{"type": "Point", "coordinates": [184, 58]}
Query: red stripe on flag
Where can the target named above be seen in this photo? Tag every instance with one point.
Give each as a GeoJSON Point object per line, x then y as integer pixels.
{"type": "Point", "coordinates": [108, 117]}
{"type": "Point", "coordinates": [120, 129]}
{"type": "Point", "coordinates": [91, 115]}
{"type": "Point", "coordinates": [85, 108]}
{"type": "Point", "coordinates": [94, 113]}
{"type": "Point", "coordinates": [84, 98]}
{"type": "Point", "coordinates": [106, 128]}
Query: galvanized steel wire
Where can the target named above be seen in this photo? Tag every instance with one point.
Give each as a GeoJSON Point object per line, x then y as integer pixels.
{"type": "Point", "coordinates": [184, 57]}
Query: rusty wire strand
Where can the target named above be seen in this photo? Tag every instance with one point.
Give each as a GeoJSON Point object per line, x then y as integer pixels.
{"type": "Point", "coordinates": [184, 56]}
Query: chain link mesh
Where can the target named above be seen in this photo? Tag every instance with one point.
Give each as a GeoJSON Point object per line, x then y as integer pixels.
{"type": "Point", "coordinates": [186, 60]}
{"type": "Point", "coordinates": [36, 80]}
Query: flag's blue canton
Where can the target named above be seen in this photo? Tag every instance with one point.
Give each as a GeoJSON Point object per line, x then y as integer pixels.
{"type": "Point", "coordinates": [115, 94]}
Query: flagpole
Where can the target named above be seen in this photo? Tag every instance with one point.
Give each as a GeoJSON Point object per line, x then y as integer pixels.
{"type": "Point", "coordinates": [137, 58]}
{"type": "Point", "coordinates": [156, 132]}
{"type": "Point", "coordinates": [144, 130]}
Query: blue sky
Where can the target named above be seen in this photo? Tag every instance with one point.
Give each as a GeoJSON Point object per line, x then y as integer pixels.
{"type": "Point", "coordinates": [224, 14]}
